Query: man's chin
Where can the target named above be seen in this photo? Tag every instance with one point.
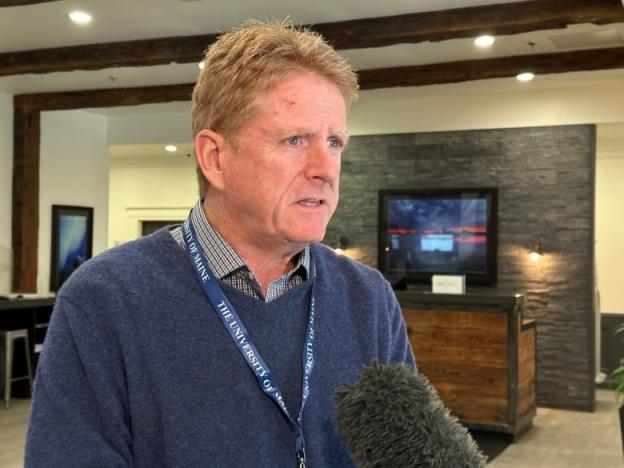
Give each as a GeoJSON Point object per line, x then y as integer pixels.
{"type": "Point", "coordinates": [307, 238]}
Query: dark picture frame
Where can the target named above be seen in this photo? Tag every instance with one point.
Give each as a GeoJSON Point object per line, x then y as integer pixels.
{"type": "Point", "coordinates": [72, 241]}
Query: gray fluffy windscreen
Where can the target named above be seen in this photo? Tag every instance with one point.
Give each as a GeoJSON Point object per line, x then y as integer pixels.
{"type": "Point", "coordinates": [392, 418]}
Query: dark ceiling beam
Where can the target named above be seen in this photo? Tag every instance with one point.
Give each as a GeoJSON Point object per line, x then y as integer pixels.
{"type": "Point", "coordinates": [505, 19]}
{"type": "Point", "coordinates": [12, 3]}
{"type": "Point", "coordinates": [103, 97]}
{"type": "Point", "coordinates": [498, 20]}
{"type": "Point", "coordinates": [454, 72]}
{"type": "Point", "coordinates": [145, 52]}
{"type": "Point", "coordinates": [419, 75]}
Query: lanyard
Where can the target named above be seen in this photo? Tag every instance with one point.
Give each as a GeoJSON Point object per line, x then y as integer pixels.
{"type": "Point", "coordinates": [242, 339]}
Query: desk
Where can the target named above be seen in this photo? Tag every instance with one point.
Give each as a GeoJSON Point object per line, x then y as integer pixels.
{"type": "Point", "coordinates": [479, 354]}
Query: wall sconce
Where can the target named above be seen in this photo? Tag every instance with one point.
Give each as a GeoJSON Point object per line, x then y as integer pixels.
{"type": "Point", "coordinates": [341, 245]}
{"type": "Point", "coordinates": [536, 252]}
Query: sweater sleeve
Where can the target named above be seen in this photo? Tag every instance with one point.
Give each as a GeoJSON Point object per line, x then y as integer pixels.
{"type": "Point", "coordinates": [400, 349]}
{"type": "Point", "coordinates": [79, 409]}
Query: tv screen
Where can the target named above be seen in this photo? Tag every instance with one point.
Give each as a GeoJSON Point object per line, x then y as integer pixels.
{"type": "Point", "coordinates": [451, 231]}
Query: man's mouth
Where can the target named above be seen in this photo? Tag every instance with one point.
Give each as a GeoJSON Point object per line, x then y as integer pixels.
{"type": "Point", "coordinates": [311, 202]}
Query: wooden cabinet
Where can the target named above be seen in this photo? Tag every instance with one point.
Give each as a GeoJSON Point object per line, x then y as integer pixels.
{"type": "Point", "coordinates": [478, 353]}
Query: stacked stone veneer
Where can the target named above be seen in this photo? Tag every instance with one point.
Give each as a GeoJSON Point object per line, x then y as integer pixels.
{"type": "Point", "coordinates": [545, 178]}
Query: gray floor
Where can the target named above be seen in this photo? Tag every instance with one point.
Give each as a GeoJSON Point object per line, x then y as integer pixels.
{"type": "Point", "coordinates": [569, 439]}
{"type": "Point", "coordinates": [559, 439]}
{"type": "Point", "coordinates": [12, 429]}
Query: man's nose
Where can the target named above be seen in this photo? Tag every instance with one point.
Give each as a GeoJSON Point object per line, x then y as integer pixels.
{"type": "Point", "coordinates": [323, 162]}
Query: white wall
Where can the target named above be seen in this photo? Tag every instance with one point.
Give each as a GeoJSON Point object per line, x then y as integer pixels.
{"type": "Point", "coordinates": [6, 175]}
{"type": "Point", "coordinates": [148, 188]}
{"type": "Point", "coordinates": [499, 103]}
{"type": "Point", "coordinates": [610, 219]}
{"type": "Point", "coordinates": [145, 128]}
{"type": "Point", "coordinates": [148, 184]}
{"type": "Point", "coordinates": [73, 171]}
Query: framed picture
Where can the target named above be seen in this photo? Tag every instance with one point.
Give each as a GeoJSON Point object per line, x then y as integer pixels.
{"type": "Point", "coordinates": [72, 241]}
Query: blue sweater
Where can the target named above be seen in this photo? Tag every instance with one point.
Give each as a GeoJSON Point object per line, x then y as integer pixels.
{"type": "Point", "coordinates": [137, 369]}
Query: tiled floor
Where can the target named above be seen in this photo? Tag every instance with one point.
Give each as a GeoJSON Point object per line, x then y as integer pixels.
{"type": "Point", "coordinates": [12, 429]}
{"type": "Point", "coordinates": [569, 439]}
{"type": "Point", "coordinates": [559, 439]}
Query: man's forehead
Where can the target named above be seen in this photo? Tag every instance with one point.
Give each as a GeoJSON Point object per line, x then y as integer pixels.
{"type": "Point", "coordinates": [289, 85]}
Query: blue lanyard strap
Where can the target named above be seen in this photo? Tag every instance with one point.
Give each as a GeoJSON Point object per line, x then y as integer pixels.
{"type": "Point", "coordinates": [242, 339]}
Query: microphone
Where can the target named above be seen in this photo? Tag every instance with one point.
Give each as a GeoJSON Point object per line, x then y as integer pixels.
{"type": "Point", "coordinates": [393, 418]}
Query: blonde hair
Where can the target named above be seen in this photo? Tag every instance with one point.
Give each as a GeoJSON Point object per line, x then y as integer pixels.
{"type": "Point", "coordinates": [246, 62]}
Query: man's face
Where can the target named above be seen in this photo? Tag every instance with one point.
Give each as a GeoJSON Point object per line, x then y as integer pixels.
{"type": "Point", "coordinates": [281, 179]}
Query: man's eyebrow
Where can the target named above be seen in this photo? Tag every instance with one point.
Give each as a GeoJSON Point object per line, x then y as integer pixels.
{"type": "Point", "coordinates": [344, 134]}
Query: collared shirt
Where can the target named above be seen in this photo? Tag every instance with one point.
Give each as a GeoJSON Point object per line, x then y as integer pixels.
{"type": "Point", "coordinates": [227, 265]}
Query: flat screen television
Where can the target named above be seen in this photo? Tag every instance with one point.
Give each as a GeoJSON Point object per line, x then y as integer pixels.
{"type": "Point", "coordinates": [447, 231]}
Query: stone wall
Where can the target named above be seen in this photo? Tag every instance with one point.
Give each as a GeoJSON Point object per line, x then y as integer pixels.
{"type": "Point", "coordinates": [545, 177]}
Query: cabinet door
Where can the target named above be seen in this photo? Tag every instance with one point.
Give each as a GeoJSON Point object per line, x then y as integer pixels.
{"type": "Point", "coordinates": [465, 356]}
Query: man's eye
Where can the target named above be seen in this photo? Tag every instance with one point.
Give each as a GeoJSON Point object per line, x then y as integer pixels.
{"type": "Point", "coordinates": [293, 140]}
{"type": "Point", "coordinates": [335, 143]}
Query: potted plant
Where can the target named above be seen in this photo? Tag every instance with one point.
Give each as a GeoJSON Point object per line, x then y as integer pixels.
{"type": "Point", "coordinates": [616, 379]}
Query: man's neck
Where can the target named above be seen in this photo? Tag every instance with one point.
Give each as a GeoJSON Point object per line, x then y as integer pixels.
{"type": "Point", "coordinates": [268, 269]}
{"type": "Point", "coordinates": [266, 263]}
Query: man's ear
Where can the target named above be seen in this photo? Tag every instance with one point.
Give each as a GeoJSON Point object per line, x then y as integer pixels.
{"type": "Point", "coordinates": [209, 152]}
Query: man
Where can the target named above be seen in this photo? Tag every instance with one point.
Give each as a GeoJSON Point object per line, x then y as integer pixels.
{"type": "Point", "coordinates": [221, 342]}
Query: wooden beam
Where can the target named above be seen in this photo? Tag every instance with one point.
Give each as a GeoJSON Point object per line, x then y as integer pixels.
{"type": "Point", "coordinates": [103, 97]}
{"type": "Point", "coordinates": [498, 20]}
{"type": "Point", "coordinates": [454, 72]}
{"type": "Point", "coordinates": [510, 18]}
{"type": "Point", "coordinates": [419, 75]}
{"type": "Point", "coordinates": [25, 228]}
{"type": "Point", "coordinates": [182, 49]}
{"type": "Point", "coordinates": [146, 52]}
{"type": "Point", "coordinates": [12, 3]}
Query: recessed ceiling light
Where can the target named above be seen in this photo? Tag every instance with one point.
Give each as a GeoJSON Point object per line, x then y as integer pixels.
{"type": "Point", "coordinates": [80, 17]}
{"type": "Point", "coordinates": [484, 41]}
{"type": "Point", "coordinates": [526, 76]}
{"type": "Point", "coordinates": [201, 65]}
{"type": "Point", "coordinates": [171, 148]}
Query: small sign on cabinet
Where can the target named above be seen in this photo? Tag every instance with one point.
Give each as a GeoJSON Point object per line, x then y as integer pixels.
{"type": "Point", "coordinates": [448, 284]}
